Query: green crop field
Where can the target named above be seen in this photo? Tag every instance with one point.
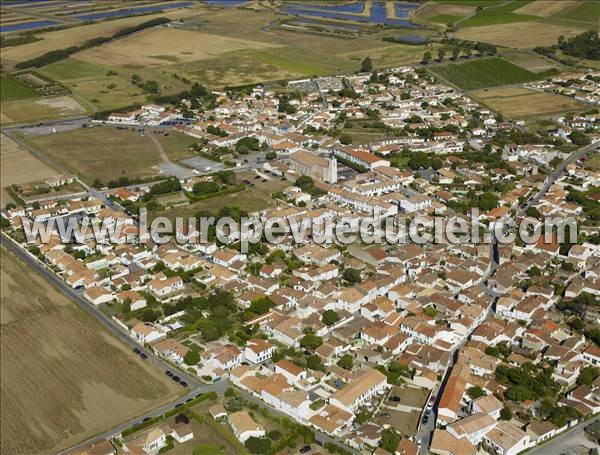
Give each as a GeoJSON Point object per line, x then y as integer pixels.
{"type": "Point", "coordinates": [586, 12]}
{"type": "Point", "coordinates": [483, 73]}
{"type": "Point", "coordinates": [502, 14]}
{"type": "Point", "coordinates": [12, 89]}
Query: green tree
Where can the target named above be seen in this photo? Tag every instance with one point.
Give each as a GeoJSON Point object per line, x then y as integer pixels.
{"type": "Point", "coordinates": [455, 52]}
{"type": "Point", "coordinates": [587, 375]}
{"type": "Point", "coordinates": [505, 413]}
{"type": "Point", "coordinates": [346, 139]}
{"type": "Point", "coordinates": [346, 362]}
{"type": "Point", "coordinates": [311, 341]}
{"type": "Point", "coordinates": [367, 65]}
{"type": "Point", "coordinates": [426, 57]}
{"type": "Point", "coordinates": [441, 53]}
{"type": "Point", "coordinates": [192, 358]}
{"type": "Point", "coordinates": [475, 392]}
{"type": "Point", "coordinates": [390, 438]}
{"type": "Point", "coordinates": [352, 276]}
{"type": "Point", "coordinates": [330, 317]}
{"type": "Point", "coordinates": [314, 362]}
{"type": "Point", "coordinates": [258, 445]}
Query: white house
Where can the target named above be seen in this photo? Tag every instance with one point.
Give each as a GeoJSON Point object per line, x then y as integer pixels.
{"type": "Point", "coordinates": [258, 350]}
{"type": "Point", "coordinates": [244, 426]}
{"type": "Point", "coordinates": [360, 390]}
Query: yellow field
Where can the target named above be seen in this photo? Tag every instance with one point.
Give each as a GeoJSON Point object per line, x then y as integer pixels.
{"type": "Point", "coordinates": [518, 35]}
{"type": "Point", "coordinates": [518, 102]}
{"type": "Point", "coordinates": [64, 378]}
{"type": "Point", "coordinates": [532, 62]}
{"type": "Point", "coordinates": [160, 46]}
{"type": "Point", "coordinates": [390, 56]}
{"type": "Point", "coordinates": [17, 165]}
{"type": "Point", "coordinates": [436, 9]}
{"type": "Point", "coordinates": [61, 39]}
{"type": "Point", "coordinates": [545, 8]}
{"type": "Point", "coordinates": [42, 109]}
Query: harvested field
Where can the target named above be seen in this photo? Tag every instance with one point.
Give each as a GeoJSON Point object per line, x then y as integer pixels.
{"type": "Point", "coordinates": [61, 39]}
{"type": "Point", "coordinates": [22, 111]}
{"type": "Point", "coordinates": [436, 9]}
{"type": "Point", "coordinates": [519, 102]}
{"type": "Point", "coordinates": [149, 47]}
{"type": "Point", "coordinates": [518, 35]}
{"type": "Point", "coordinates": [531, 62]}
{"type": "Point", "coordinates": [17, 165]}
{"type": "Point", "coordinates": [64, 377]}
{"type": "Point", "coordinates": [123, 152]}
{"type": "Point", "coordinates": [545, 8]}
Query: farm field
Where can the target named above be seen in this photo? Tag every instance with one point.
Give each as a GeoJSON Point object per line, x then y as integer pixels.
{"type": "Point", "coordinates": [518, 102]}
{"type": "Point", "coordinates": [160, 46]}
{"type": "Point", "coordinates": [483, 73]}
{"type": "Point", "coordinates": [64, 377]}
{"type": "Point", "coordinates": [107, 153]}
{"type": "Point", "coordinates": [60, 39]}
{"type": "Point", "coordinates": [444, 13]}
{"type": "Point", "coordinates": [18, 165]}
{"type": "Point", "coordinates": [12, 89]}
{"type": "Point", "coordinates": [530, 61]}
{"type": "Point", "coordinates": [536, 33]}
{"type": "Point", "coordinates": [546, 8]}
{"type": "Point", "coordinates": [499, 14]}
{"type": "Point", "coordinates": [582, 13]}
{"type": "Point", "coordinates": [27, 111]}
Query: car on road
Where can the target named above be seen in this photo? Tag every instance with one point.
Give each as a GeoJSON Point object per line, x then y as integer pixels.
{"type": "Point", "coordinates": [183, 384]}
{"type": "Point", "coordinates": [137, 351]}
{"type": "Point", "coordinates": [176, 378]}
{"type": "Point", "coordinates": [305, 449]}
{"type": "Point", "coordinates": [169, 373]}
{"type": "Point", "coordinates": [144, 356]}
{"type": "Point", "coordinates": [146, 419]}
{"type": "Point", "coordinates": [425, 418]}
{"type": "Point", "coordinates": [178, 405]}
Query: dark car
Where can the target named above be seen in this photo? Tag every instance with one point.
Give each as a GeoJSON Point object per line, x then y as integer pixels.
{"type": "Point", "coordinates": [395, 399]}
{"type": "Point", "coordinates": [183, 384]}
{"type": "Point", "coordinates": [144, 356]}
{"type": "Point", "coordinates": [256, 177]}
{"type": "Point", "coordinates": [146, 419]}
{"type": "Point", "coordinates": [425, 418]}
{"type": "Point", "coordinates": [137, 351]}
{"type": "Point", "coordinates": [176, 378]}
{"type": "Point", "coordinates": [305, 449]}
{"type": "Point", "coordinates": [169, 373]}
{"type": "Point", "coordinates": [178, 405]}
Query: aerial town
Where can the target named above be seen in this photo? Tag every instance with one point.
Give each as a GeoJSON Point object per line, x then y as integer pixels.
{"type": "Point", "coordinates": [295, 344]}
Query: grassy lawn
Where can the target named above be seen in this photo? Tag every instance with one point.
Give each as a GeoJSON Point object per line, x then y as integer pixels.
{"type": "Point", "coordinates": [12, 89]}
{"type": "Point", "coordinates": [502, 14]}
{"type": "Point", "coordinates": [107, 153]}
{"type": "Point", "coordinates": [251, 199]}
{"type": "Point", "coordinates": [483, 73]}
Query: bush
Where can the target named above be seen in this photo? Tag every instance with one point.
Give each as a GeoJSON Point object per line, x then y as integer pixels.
{"type": "Point", "coordinates": [258, 445]}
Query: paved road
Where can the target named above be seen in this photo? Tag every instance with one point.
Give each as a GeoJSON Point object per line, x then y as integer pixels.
{"type": "Point", "coordinates": [576, 155]}
{"type": "Point", "coordinates": [566, 442]}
